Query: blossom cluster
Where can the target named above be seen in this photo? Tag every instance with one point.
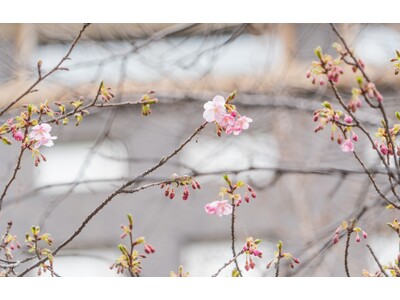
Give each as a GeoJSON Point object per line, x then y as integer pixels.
{"type": "Point", "coordinates": [349, 228]}
{"type": "Point", "coordinates": [250, 248]}
{"type": "Point", "coordinates": [223, 207]}
{"type": "Point", "coordinates": [177, 181]}
{"type": "Point", "coordinates": [130, 258]}
{"type": "Point", "coordinates": [32, 239]}
{"type": "Point", "coordinates": [326, 67]}
{"type": "Point", "coordinates": [9, 243]}
{"type": "Point", "coordinates": [279, 254]}
{"type": "Point", "coordinates": [225, 116]}
{"type": "Point", "coordinates": [385, 146]}
{"type": "Point", "coordinates": [338, 120]}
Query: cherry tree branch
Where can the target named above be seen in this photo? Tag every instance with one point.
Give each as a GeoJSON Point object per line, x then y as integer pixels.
{"type": "Point", "coordinates": [16, 169]}
{"type": "Point", "coordinates": [120, 190]}
{"type": "Point", "coordinates": [380, 105]}
{"type": "Point", "coordinates": [377, 261]}
{"type": "Point", "coordinates": [228, 263]}
{"type": "Point", "coordinates": [43, 77]}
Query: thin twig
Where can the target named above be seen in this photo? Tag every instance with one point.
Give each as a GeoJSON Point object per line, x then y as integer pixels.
{"type": "Point", "coordinates": [228, 263]}
{"type": "Point", "coordinates": [43, 77]}
{"type": "Point", "coordinates": [377, 261]}
{"type": "Point", "coordinates": [233, 240]}
{"type": "Point", "coordinates": [346, 252]}
{"type": "Point", "coordinates": [277, 265]}
{"type": "Point", "coordinates": [17, 168]}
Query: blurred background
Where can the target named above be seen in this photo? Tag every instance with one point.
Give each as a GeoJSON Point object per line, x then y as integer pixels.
{"type": "Point", "coordinates": [305, 184]}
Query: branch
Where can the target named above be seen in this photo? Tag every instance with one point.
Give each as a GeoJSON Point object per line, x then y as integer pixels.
{"type": "Point", "coordinates": [380, 105]}
{"type": "Point", "coordinates": [346, 252]}
{"type": "Point", "coordinates": [233, 239]}
{"type": "Point", "coordinates": [377, 261]}
{"type": "Point", "coordinates": [122, 189]}
{"type": "Point", "coordinates": [228, 263]}
{"type": "Point", "coordinates": [43, 77]}
{"type": "Point", "coordinates": [17, 168]}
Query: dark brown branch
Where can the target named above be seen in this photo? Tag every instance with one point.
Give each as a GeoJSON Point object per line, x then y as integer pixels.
{"type": "Point", "coordinates": [228, 263]}
{"type": "Point", "coordinates": [346, 252]}
{"type": "Point", "coordinates": [17, 168]}
{"type": "Point", "coordinates": [233, 239]}
{"type": "Point", "coordinates": [43, 77]}
{"type": "Point", "coordinates": [377, 261]}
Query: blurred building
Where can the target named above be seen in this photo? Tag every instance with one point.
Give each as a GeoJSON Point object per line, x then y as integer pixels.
{"type": "Point", "coordinates": [302, 179]}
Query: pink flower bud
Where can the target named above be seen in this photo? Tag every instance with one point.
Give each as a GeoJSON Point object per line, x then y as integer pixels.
{"type": "Point", "coordinates": [253, 194]}
{"type": "Point", "coordinates": [296, 260]}
{"type": "Point", "coordinates": [148, 249]}
{"type": "Point", "coordinates": [316, 117]}
{"type": "Point", "coordinates": [348, 119]}
{"type": "Point", "coordinates": [321, 82]}
{"type": "Point", "coordinates": [166, 193]}
{"type": "Point", "coordinates": [246, 198]}
{"type": "Point", "coordinates": [355, 137]}
{"type": "Point", "coordinates": [246, 266]}
{"type": "Point", "coordinates": [358, 239]}
{"type": "Point", "coordinates": [245, 248]}
{"type": "Point", "coordinates": [258, 253]}
{"type": "Point", "coordinates": [335, 239]}
{"type": "Point", "coordinates": [18, 135]}
{"type": "Point", "coordinates": [172, 194]}
{"type": "Point", "coordinates": [308, 74]}
{"type": "Point", "coordinates": [384, 149]}
{"type": "Point", "coordinates": [339, 139]}
{"type": "Point", "coordinates": [365, 235]}
{"type": "Point", "coordinates": [252, 264]}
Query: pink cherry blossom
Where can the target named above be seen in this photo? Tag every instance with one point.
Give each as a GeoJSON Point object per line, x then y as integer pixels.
{"type": "Point", "coordinates": [241, 124]}
{"type": "Point", "coordinates": [219, 208]}
{"type": "Point", "coordinates": [214, 110]}
{"type": "Point", "coordinates": [18, 135]}
{"type": "Point", "coordinates": [41, 134]}
{"type": "Point", "coordinates": [347, 146]}
{"type": "Point", "coordinates": [228, 120]}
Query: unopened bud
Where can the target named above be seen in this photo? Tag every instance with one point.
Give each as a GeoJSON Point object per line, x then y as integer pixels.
{"type": "Point", "coordinates": [172, 194]}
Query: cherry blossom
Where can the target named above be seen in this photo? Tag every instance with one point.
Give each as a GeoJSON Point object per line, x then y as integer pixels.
{"type": "Point", "coordinates": [214, 110]}
{"type": "Point", "coordinates": [219, 208]}
{"type": "Point", "coordinates": [41, 134]}
{"type": "Point", "coordinates": [18, 135]}
{"type": "Point", "coordinates": [348, 146]}
{"type": "Point", "coordinates": [241, 124]}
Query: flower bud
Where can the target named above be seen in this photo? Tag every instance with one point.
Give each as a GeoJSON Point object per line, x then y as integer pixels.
{"type": "Point", "coordinates": [335, 239]}
{"type": "Point", "coordinates": [172, 194]}
{"type": "Point", "coordinates": [348, 119]}
{"type": "Point", "coordinates": [166, 193]}
{"type": "Point", "coordinates": [358, 239]}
